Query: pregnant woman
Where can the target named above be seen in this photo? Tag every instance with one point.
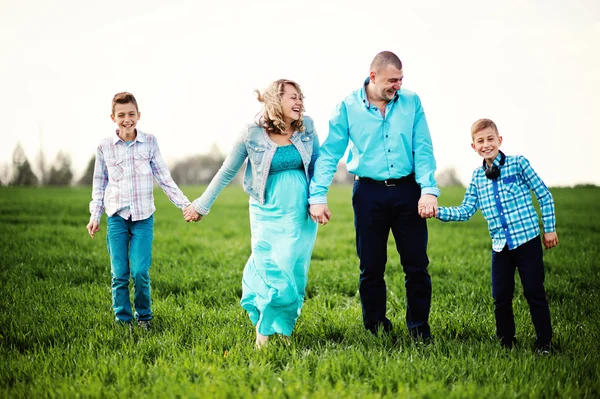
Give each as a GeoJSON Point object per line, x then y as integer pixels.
{"type": "Point", "coordinates": [281, 147]}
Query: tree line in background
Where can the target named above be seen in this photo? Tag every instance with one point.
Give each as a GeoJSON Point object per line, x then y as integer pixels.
{"type": "Point", "coordinates": [197, 169]}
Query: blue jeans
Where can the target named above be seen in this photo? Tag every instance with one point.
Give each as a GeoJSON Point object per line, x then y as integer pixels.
{"type": "Point", "coordinates": [130, 249]}
{"type": "Point", "coordinates": [377, 210]}
{"type": "Point", "coordinates": [528, 259]}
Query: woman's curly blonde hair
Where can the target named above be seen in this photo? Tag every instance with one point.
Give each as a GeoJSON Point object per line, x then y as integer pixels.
{"type": "Point", "coordinates": [271, 117]}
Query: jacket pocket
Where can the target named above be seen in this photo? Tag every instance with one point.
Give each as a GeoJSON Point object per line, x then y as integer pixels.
{"type": "Point", "coordinates": [307, 140]}
{"type": "Point", "coordinates": [256, 151]}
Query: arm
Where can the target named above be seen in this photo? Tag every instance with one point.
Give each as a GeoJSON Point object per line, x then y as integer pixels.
{"type": "Point", "coordinates": [161, 173]}
{"type": "Point", "coordinates": [325, 167]}
{"type": "Point", "coordinates": [423, 153]}
{"type": "Point", "coordinates": [465, 211]}
{"type": "Point", "coordinates": [99, 182]}
{"type": "Point", "coordinates": [232, 164]}
{"type": "Point", "coordinates": [315, 152]}
{"type": "Point", "coordinates": [544, 198]}
{"type": "Point", "coordinates": [330, 153]}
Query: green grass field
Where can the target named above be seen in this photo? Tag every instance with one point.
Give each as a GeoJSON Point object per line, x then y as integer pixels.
{"type": "Point", "coordinates": [58, 338]}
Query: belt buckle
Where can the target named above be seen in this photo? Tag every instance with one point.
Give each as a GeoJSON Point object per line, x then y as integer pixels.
{"type": "Point", "coordinates": [389, 184]}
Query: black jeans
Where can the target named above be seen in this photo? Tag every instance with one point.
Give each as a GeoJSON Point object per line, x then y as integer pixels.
{"type": "Point", "coordinates": [528, 259]}
{"type": "Point", "coordinates": [377, 210]}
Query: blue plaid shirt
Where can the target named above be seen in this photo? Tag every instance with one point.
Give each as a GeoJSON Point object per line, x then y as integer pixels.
{"type": "Point", "coordinates": [506, 203]}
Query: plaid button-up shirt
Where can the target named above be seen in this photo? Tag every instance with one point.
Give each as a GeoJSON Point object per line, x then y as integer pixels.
{"type": "Point", "coordinates": [123, 178]}
{"type": "Point", "coordinates": [506, 203]}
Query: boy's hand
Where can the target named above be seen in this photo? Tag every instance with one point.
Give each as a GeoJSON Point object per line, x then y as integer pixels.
{"type": "Point", "coordinates": [92, 228]}
{"type": "Point", "coordinates": [190, 214]}
{"type": "Point", "coordinates": [428, 206]}
{"type": "Point", "coordinates": [550, 239]}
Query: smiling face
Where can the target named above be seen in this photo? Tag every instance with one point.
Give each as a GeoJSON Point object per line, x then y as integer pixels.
{"type": "Point", "coordinates": [126, 116]}
{"type": "Point", "coordinates": [291, 104]}
{"type": "Point", "coordinates": [486, 143]}
{"type": "Point", "coordinates": [385, 82]}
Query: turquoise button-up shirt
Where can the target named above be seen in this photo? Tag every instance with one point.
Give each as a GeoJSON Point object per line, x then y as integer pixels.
{"type": "Point", "coordinates": [381, 148]}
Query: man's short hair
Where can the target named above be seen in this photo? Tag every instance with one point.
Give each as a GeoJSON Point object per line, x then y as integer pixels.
{"type": "Point", "coordinates": [385, 58]}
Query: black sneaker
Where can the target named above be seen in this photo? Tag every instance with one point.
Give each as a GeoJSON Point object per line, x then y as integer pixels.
{"type": "Point", "coordinates": [144, 324]}
{"type": "Point", "coordinates": [384, 326]}
{"type": "Point", "coordinates": [545, 349]}
{"type": "Point", "coordinates": [508, 343]}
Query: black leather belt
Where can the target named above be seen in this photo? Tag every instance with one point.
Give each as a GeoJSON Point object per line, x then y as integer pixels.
{"type": "Point", "coordinates": [388, 182]}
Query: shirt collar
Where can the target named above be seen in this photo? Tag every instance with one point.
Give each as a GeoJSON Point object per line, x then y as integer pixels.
{"type": "Point", "coordinates": [363, 93]}
{"type": "Point", "coordinates": [139, 136]}
{"type": "Point", "coordinates": [498, 159]}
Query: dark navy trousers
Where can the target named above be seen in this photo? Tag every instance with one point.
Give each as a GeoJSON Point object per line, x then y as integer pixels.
{"type": "Point", "coordinates": [528, 260]}
{"type": "Point", "coordinates": [377, 210]}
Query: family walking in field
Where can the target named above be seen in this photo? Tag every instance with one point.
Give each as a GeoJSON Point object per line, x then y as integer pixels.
{"type": "Point", "coordinates": [287, 175]}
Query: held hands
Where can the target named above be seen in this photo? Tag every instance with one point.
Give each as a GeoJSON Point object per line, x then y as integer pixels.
{"type": "Point", "coordinates": [550, 239]}
{"type": "Point", "coordinates": [320, 213]}
{"type": "Point", "coordinates": [92, 228]}
{"type": "Point", "coordinates": [190, 214]}
{"type": "Point", "coordinates": [428, 206]}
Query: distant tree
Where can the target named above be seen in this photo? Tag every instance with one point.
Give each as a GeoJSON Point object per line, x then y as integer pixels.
{"type": "Point", "coordinates": [342, 176]}
{"type": "Point", "coordinates": [61, 173]}
{"type": "Point", "coordinates": [4, 174]}
{"type": "Point", "coordinates": [198, 169]}
{"type": "Point", "coordinates": [586, 185]}
{"type": "Point", "coordinates": [88, 175]}
{"type": "Point", "coordinates": [447, 177]}
{"type": "Point", "coordinates": [41, 167]}
{"type": "Point", "coordinates": [23, 175]}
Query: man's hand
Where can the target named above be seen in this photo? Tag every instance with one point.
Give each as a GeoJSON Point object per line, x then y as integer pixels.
{"type": "Point", "coordinates": [190, 214]}
{"type": "Point", "coordinates": [428, 206]}
{"type": "Point", "coordinates": [550, 239]}
{"type": "Point", "coordinates": [320, 213]}
{"type": "Point", "coordinates": [92, 228]}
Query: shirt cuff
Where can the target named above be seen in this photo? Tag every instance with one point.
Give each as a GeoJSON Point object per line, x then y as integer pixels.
{"type": "Point", "coordinates": [200, 209]}
{"type": "Point", "coordinates": [442, 214]}
{"type": "Point", "coordinates": [430, 190]}
{"type": "Point", "coordinates": [317, 200]}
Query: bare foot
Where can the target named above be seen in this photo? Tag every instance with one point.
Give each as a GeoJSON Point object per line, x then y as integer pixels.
{"type": "Point", "coordinates": [261, 340]}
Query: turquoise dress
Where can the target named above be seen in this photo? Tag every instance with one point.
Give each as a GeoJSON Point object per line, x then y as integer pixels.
{"type": "Point", "coordinates": [283, 237]}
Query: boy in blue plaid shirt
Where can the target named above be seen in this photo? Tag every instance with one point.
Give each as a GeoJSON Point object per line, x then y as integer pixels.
{"type": "Point", "coordinates": [501, 189]}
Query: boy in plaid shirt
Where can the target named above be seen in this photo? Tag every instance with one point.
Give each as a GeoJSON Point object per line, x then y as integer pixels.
{"type": "Point", "coordinates": [500, 188]}
{"type": "Point", "coordinates": [123, 186]}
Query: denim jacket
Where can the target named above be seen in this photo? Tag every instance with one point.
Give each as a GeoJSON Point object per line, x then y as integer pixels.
{"type": "Point", "coordinates": [255, 145]}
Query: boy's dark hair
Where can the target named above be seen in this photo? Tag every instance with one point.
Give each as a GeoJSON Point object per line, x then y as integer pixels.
{"type": "Point", "coordinates": [385, 58]}
{"type": "Point", "coordinates": [124, 98]}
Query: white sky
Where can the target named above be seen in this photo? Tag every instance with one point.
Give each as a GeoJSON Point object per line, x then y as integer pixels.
{"type": "Point", "coordinates": [531, 66]}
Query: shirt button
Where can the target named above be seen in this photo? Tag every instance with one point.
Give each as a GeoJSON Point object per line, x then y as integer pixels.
{"type": "Point", "coordinates": [389, 150]}
{"type": "Point", "coordinates": [391, 166]}
{"type": "Point", "coordinates": [496, 196]}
